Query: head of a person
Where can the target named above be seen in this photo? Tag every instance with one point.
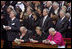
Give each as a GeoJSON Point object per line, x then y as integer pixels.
{"type": "Point", "coordinates": [23, 29]}
{"type": "Point", "coordinates": [63, 8]}
{"type": "Point", "coordinates": [52, 31]}
{"type": "Point", "coordinates": [12, 14]}
{"type": "Point", "coordinates": [68, 15]}
{"type": "Point", "coordinates": [3, 3]}
{"type": "Point", "coordinates": [38, 30]}
{"type": "Point", "coordinates": [10, 8]}
{"type": "Point", "coordinates": [29, 11]}
{"type": "Point", "coordinates": [35, 14]}
{"type": "Point", "coordinates": [39, 10]}
{"type": "Point", "coordinates": [49, 3]}
{"type": "Point", "coordinates": [45, 12]}
{"type": "Point", "coordinates": [62, 13]}
{"type": "Point", "coordinates": [55, 5]}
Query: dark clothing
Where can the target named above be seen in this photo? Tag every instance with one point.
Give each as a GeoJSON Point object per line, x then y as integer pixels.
{"type": "Point", "coordinates": [61, 26]}
{"type": "Point", "coordinates": [41, 37]}
{"type": "Point", "coordinates": [27, 36]}
{"type": "Point", "coordinates": [15, 25]}
{"type": "Point", "coordinates": [47, 24]}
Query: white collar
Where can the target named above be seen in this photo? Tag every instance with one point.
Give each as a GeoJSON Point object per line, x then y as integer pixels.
{"type": "Point", "coordinates": [13, 18]}
{"type": "Point", "coordinates": [62, 18]}
{"type": "Point", "coordinates": [46, 16]}
{"type": "Point", "coordinates": [30, 15]}
{"type": "Point", "coordinates": [3, 5]}
{"type": "Point", "coordinates": [50, 7]}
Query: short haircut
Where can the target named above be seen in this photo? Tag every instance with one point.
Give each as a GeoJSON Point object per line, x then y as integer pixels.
{"type": "Point", "coordinates": [46, 10]}
{"type": "Point", "coordinates": [55, 3]}
{"type": "Point", "coordinates": [24, 28]}
{"type": "Point", "coordinates": [52, 29]}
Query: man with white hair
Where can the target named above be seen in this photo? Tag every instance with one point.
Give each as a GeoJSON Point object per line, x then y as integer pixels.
{"type": "Point", "coordinates": [55, 38]}
{"type": "Point", "coordinates": [49, 6]}
{"type": "Point", "coordinates": [62, 23]}
{"type": "Point", "coordinates": [56, 8]}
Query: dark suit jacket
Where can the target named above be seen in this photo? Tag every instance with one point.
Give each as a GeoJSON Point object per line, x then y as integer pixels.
{"type": "Point", "coordinates": [41, 37]}
{"type": "Point", "coordinates": [27, 36]}
{"type": "Point", "coordinates": [47, 24]}
{"type": "Point", "coordinates": [62, 26]}
{"type": "Point", "coordinates": [15, 25]}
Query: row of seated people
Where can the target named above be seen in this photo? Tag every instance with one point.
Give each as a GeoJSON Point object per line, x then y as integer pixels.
{"type": "Point", "coordinates": [40, 37]}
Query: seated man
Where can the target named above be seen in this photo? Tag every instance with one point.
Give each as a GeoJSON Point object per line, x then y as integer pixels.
{"type": "Point", "coordinates": [24, 36]}
{"type": "Point", "coordinates": [39, 36]}
{"type": "Point", "coordinates": [55, 38]}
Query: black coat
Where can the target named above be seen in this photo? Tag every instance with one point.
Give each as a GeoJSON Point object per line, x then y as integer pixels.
{"type": "Point", "coordinates": [47, 24]}
{"type": "Point", "coordinates": [27, 36]}
{"type": "Point", "coordinates": [15, 25]}
{"type": "Point", "coordinates": [41, 37]}
{"type": "Point", "coordinates": [62, 26]}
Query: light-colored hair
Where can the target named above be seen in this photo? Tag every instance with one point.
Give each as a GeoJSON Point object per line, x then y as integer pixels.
{"type": "Point", "coordinates": [46, 10]}
{"type": "Point", "coordinates": [52, 29]}
{"type": "Point", "coordinates": [50, 2]}
{"type": "Point", "coordinates": [68, 14]}
{"type": "Point", "coordinates": [55, 3]}
{"type": "Point", "coordinates": [24, 28]}
{"type": "Point", "coordinates": [62, 11]}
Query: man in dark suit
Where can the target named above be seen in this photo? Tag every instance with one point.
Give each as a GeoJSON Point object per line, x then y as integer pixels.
{"type": "Point", "coordinates": [45, 23]}
{"type": "Point", "coordinates": [62, 23]}
{"type": "Point", "coordinates": [39, 36]}
{"type": "Point", "coordinates": [12, 28]}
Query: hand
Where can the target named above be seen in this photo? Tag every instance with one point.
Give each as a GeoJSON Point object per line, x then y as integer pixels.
{"type": "Point", "coordinates": [21, 40]}
{"type": "Point", "coordinates": [8, 28]}
{"type": "Point", "coordinates": [34, 41]}
{"type": "Point", "coordinates": [43, 41]}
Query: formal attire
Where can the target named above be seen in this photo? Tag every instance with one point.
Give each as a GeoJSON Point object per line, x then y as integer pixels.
{"type": "Point", "coordinates": [57, 39]}
{"type": "Point", "coordinates": [45, 23]}
{"type": "Point", "coordinates": [39, 38]}
{"type": "Point", "coordinates": [26, 36]}
{"type": "Point", "coordinates": [13, 33]}
{"type": "Point", "coordinates": [61, 25]}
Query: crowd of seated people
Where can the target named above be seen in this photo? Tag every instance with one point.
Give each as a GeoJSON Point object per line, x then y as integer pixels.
{"type": "Point", "coordinates": [32, 20]}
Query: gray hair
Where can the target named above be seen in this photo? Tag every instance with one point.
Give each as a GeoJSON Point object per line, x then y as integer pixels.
{"type": "Point", "coordinates": [46, 10]}
{"type": "Point", "coordinates": [62, 11]}
{"type": "Point", "coordinates": [24, 28]}
{"type": "Point", "coordinates": [50, 2]}
{"type": "Point", "coordinates": [52, 29]}
{"type": "Point", "coordinates": [55, 3]}
{"type": "Point", "coordinates": [68, 14]}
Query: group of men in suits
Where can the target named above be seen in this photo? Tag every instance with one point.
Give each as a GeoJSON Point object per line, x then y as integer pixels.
{"type": "Point", "coordinates": [11, 27]}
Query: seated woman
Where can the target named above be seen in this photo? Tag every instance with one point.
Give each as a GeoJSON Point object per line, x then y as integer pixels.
{"type": "Point", "coordinates": [24, 36]}
{"type": "Point", "coordinates": [55, 38]}
{"type": "Point", "coordinates": [39, 36]}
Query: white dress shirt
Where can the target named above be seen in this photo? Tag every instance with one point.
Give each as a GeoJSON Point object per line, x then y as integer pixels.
{"type": "Point", "coordinates": [44, 19]}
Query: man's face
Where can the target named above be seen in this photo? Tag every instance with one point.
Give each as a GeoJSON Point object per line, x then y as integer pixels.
{"type": "Point", "coordinates": [12, 14]}
{"type": "Point", "coordinates": [48, 4]}
{"type": "Point", "coordinates": [44, 12]}
{"type": "Point", "coordinates": [22, 30]}
{"type": "Point", "coordinates": [38, 31]}
{"type": "Point", "coordinates": [28, 11]}
{"type": "Point", "coordinates": [61, 14]}
{"type": "Point", "coordinates": [8, 10]}
{"type": "Point", "coordinates": [50, 32]}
